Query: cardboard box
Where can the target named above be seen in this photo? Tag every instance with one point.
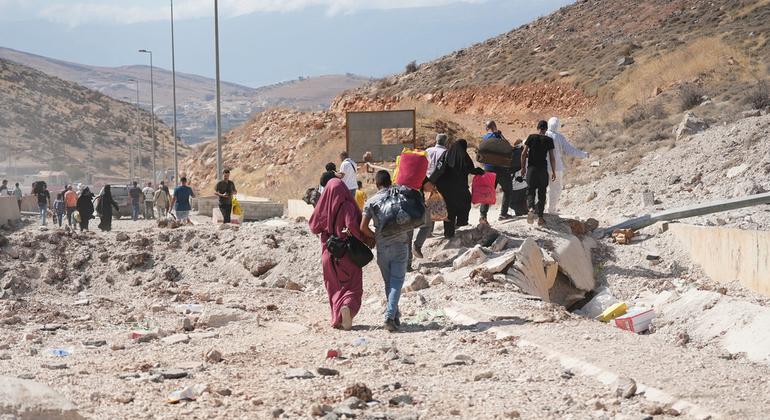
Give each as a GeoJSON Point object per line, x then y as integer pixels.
{"type": "Point", "coordinates": [635, 320]}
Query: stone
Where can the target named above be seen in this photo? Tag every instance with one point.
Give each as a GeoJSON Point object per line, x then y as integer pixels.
{"type": "Point", "coordinates": [95, 343]}
{"type": "Point", "coordinates": [121, 237]}
{"type": "Point", "coordinates": [501, 263]}
{"type": "Point", "coordinates": [298, 373]}
{"type": "Point", "coordinates": [483, 375]}
{"type": "Point", "coordinates": [173, 374]}
{"type": "Point", "coordinates": [213, 356]}
{"type": "Point", "coordinates": [26, 399]}
{"type": "Point", "coordinates": [690, 124]}
{"type": "Point", "coordinates": [219, 317]}
{"type": "Point", "coordinates": [591, 224]}
{"type": "Point", "coordinates": [354, 403]}
{"type": "Point", "coordinates": [437, 280]}
{"type": "Point", "coordinates": [290, 285]}
{"type": "Point", "coordinates": [185, 324]}
{"type": "Point", "coordinates": [417, 282]}
{"type": "Point", "coordinates": [358, 390]}
{"type": "Point", "coordinates": [625, 61]}
{"type": "Point", "coordinates": [473, 256]}
{"type": "Point", "coordinates": [318, 410]}
{"type": "Point", "coordinates": [170, 273]}
{"type": "Point", "coordinates": [404, 399]}
{"type": "Point", "coordinates": [277, 412]}
{"type": "Point", "coordinates": [327, 371]}
{"type": "Point", "coordinates": [499, 244]}
{"type": "Point", "coordinates": [625, 387]}
{"type": "Point", "coordinates": [54, 366]}
{"type": "Point", "coordinates": [176, 339]}
{"type": "Point", "coordinates": [752, 113]}
{"type": "Point", "coordinates": [258, 266]}
{"type": "Point", "coordinates": [124, 398]}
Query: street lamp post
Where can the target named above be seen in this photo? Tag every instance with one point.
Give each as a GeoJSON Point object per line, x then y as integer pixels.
{"type": "Point", "coordinates": [152, 126]}
{"type": "Point", "coordinates": [173, 89]}
{"type": "Point", "coordinates": [137, 143]}
{"type": "Point", "coordinates": [219, 98]}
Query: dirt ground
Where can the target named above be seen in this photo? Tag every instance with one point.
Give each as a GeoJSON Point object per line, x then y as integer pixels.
{"type": "Point", "coordinates": [467, 350]}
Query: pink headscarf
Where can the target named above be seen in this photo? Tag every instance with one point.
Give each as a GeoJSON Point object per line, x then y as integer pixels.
{"type": "Point", "coordinates": [336, 199]}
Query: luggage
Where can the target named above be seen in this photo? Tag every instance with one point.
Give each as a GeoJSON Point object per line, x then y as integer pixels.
{"type": "Point", "coordinates": [496, 151]}
{"type": "Point", "coordinates": [411, 168]}
{"type": "Point", "coordinates": [519, 202]}
{"type": "Point", "coordinates": [483, 189]}
{"type": "Point", "coordinates": [237, 210]}
{"type": "Point", "coordinates": [351, 246]}
{"type": "Point", "coordinates": [401, 211]}
{"type": "Point", "coordinates": [436, 207]}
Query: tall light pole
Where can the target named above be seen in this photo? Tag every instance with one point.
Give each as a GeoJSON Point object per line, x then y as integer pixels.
{"type": "Point", "coordinates": [130, 150]}
{"type": "Point", "coordinates": [138, 139]}
{"type": "Point", "coordinates": [173, 89]}
{"type": "Point", "coordinates": [152, 127]}
{"type": "Point", "coordinates": [219, 97]}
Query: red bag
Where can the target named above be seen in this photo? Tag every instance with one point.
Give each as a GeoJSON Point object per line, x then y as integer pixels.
{"type": "Point", "coordinates": [483, 189]}
{"type": "Point", "coordinates": [411, 169]}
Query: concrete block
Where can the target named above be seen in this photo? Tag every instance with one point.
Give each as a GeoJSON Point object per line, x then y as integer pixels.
{"type": "Point", "coordinates": [26, 399]}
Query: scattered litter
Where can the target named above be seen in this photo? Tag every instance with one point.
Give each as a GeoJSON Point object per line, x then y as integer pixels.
{"type": "Point", "coordinates": [635, 320]}
{"type": "Point", "coordinates": [332, 354]}
{"type": "Point", "coordinates": [613, 312]}
{"type": "Point", "coordinates": [189, 308]}
{"type": "Point", "coordinates": [360, 341]}
{"type": "Point", "coordinates": [623, 236]}
{"type": "Point", "coordinates": [60, 352]}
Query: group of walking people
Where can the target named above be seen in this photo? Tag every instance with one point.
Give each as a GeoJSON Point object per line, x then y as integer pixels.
{"type": "Point", "coordinates": [537, 163]}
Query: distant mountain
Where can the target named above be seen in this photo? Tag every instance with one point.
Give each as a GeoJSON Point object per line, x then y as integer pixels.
{"type": "Point", "coordinates": [195, 94]}
{"type": "Point", "coordinates": [50, 123]}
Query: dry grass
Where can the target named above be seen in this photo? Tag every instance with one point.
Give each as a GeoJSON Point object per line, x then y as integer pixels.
{"type": "Point", "coordinates": [683, 64]}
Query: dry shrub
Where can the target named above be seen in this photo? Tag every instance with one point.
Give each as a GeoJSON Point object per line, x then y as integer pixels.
{"type": "Point", "coordinates": [690, 96]}
{"type": "Point", "coordinates": [411, 67]}
{"type": "Point", "coordinates": [759, 98]}
{"type": "Point", "coordinates": [643, 112]}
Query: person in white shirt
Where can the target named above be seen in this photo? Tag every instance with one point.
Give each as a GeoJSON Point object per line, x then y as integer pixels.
{"type": "Point", "coordinates": [436, 152]}
{"type": "Point", "coordinates": [149, 195]}
{"type": "Point", "coordinates": [562, 146]}
{"type": "Point", "coordinates": [348, 172]}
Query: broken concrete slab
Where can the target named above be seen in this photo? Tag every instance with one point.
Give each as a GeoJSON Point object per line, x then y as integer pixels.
{"type": "Point", "coordinates": [25, 399]}
{"type": "Point", "coordinates": [219, 317]}
{"type": "Point", "coordinates": [473, 256]}
{"type": "Point", "coordinates": [528, 271]}
{"type": "Point", "coordinates": [574, 261]}
{"type": "Point", "coordinates": [499, 264]}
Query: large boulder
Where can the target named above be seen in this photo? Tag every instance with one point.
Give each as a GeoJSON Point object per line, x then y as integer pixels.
{"type": "Point", "coordinates": [24, 399]}
{"type": "Point", "coordinates": [691, 124]}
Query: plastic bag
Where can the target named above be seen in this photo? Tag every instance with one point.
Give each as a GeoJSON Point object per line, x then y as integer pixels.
{"type": "Point", "coordinates": [235, 219]}
{"type": "Point", "coordinates": [411, 168]}
{"type": "Point", "coordinates": [483, 189]}
{"type": "Point", "coordinates": [216, 216]}
{"type": "Point", "coordinates": [402, 210]}
{"type": "Point", "coordinates": [76, 216]}
{"type": "Point", "coordinates": [436, 206]}
{"type": "Point", "coordinates": [237, 210]}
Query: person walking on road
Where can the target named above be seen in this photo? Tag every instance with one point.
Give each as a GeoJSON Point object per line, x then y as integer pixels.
{"type": "Point", "coordinates": [336, 214]}
{"type": "Point", "coordinates": [161, 200]}
{"type": "Point", "coordinates": [106, 204]}
{"type": "Point", "coordinates": [18, 194]}
{"type": "Point", "coordinates": [43, 201]}
{"type": "Point", "coordinates": [225, 190]}
{"type": "Point", "coordinates": [4, 188]}
{"type": "Point", "coordinates": [135, 195]}
{"type": "Point", "coordinates": [85, 207]}
{"type": "Point", "coordinates": [561, 147]}
{"type": "Point", "coordinates": [148, 193]}
{"type": "Point", "coordinates": [435, 154]}
{"type": "Point", "coordinates": [71, 204]}
{"type": "Point", "coordinates": [348, 173]}
{"type": "Point", "coordinates": [538, 151]}
{"type": "Point", "coordinates": [392, 251]}
{"type": "Point", "coordinates": [58, 209]}
{"type": "Point", "coordinates": [503, 176]}
{"type": "Point", "coordinates": [181, 201]}
{"type": "Point", "coordinates": [451, 179]}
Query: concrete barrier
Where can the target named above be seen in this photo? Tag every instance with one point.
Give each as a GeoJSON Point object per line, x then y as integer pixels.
{"type": "Point", "coordinates": [299, 208]}
{"type": "Point", "coordinates": [252, 210]}
{"type": "Point", "coordinates": [9, 210]}
{"type": "Point", "coordinates": [729, 254]}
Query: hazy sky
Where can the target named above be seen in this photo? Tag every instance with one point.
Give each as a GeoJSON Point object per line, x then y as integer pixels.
{"type": "Point", "coordinates": [262, 41]}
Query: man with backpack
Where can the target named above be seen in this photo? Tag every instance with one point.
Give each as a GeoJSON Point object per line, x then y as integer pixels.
{"type": "Point", "coordinates": [40, 189]}
{"type": "Point", "coordinates": [503, 178]}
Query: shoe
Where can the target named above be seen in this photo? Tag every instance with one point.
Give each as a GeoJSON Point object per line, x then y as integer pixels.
{"type": "Point", "coordinates": [540, 221]}
{"type": "Point", "coordinates": [531, 217]}
{"type": "Point", "coordinates": [391, 326]}
{"type": "Point", "coordinates": [483, 221]}
{"type": "Point", "coordinates": [397, 321]}
{"type": "Point", "coordinates": [505, 217]}
{"type": "Point", "coordinates": [347, 318]}
{"type": "Point", "coordinates": [418, 252]}
{"type": "Point", "coordinates": [409, 269]}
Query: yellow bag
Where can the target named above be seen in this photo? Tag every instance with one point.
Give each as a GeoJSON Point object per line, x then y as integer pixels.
{"type": "Point", "coordinates": [237, 210]}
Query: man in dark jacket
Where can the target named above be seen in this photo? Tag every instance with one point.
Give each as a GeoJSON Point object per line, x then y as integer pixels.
{"type": "Point", "coordinates": [538, 151]}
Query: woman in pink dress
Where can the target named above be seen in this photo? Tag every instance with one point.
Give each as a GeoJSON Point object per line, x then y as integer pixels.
{"type": "Point", "coordinates": [337, 214]}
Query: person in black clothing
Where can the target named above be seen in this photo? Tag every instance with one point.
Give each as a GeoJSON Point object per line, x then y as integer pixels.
{"type": "Point", "coordinates": [503, 178]}
{"type": "Point", "coordinates": [106, 204]}
{"type": "Point", "coordinates": [538, 150]}
{"type": "Point", "coordinates": [85, 207]}
{"type": "Point", "coordinates": [451, 179]}
{"type": "Point", "coordinates": [225, 190]}
{"type": "Point", "coordinates": [331, 173]}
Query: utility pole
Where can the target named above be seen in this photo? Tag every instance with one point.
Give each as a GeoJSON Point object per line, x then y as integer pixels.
{"type": "Point", "coordinates": [219, 97]}
{"type": "Point", "coordinates": [152, 126]}
{"type": "Point", "coordinates": [138, 134]}
{"type": "Point", "coordinates": [173, 88]}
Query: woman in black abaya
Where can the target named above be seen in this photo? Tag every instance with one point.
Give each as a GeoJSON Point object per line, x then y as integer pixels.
{"type": "Point", "coordinates": [106, 204]}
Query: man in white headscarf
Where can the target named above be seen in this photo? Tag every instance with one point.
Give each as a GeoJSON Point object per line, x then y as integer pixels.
{"type": "Point", "coordinates": [562, 147]}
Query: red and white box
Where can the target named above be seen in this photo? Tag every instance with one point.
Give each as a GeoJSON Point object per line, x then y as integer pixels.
{"type": "Point", "coordinates": [635, 320]}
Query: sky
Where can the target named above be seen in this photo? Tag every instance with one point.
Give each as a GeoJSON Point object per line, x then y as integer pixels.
{"type": "Point", "coordinates": [261, 41]}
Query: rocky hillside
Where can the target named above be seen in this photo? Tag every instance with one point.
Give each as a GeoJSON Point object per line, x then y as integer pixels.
{"type": "Point", "coordinates": [620, 74]}
{"type": "Point", "coordinates": [54, 124]}
{"type": "Point", "coordinates": [195, 94]}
